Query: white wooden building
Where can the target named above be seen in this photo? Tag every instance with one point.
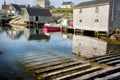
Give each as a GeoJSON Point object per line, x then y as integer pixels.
{"type": "Point", "coordinates": [67, 5]}
{"type": "Point", "coordinates": [97, 15]}
{"type": "Point", "coordinates": [43, 3]}
{"type": "Point", "coordinates": [14, 10]}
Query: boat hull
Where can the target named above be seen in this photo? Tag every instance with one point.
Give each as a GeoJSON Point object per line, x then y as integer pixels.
{"type": "Point", "coordinates": [51, 29]}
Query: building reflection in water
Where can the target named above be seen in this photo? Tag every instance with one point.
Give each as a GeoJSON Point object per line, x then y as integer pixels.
{"type": "Point", "coordinates": [68, 35]}
{"type": "Point", "coordinates": [88, 46]}
{"type": "Point", "coordinates": [14, 34]}
{"type": "Point", "coordinates": [11, 32]}
{"type": "Point", "coordinates": [5, 28]}
{"type": "Point", "coordinates": [36, 34]}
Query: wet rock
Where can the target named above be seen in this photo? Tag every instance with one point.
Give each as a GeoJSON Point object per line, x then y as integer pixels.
{"type": "Point", "coordinates": [115, 37]}
{"type": "Point", "coordinates": [1, 52]}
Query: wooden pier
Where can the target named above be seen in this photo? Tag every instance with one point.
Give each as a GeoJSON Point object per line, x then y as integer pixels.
{"type": "Point", "coordinates": [67, 29]}
{"type": "Point", "coordinates": [53, 65]}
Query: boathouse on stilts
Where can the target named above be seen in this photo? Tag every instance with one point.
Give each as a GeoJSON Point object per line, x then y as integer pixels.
{"type": "Point", "coordinates": [97, 17]}
{"type": "Point", "coordinates": [37, 17]}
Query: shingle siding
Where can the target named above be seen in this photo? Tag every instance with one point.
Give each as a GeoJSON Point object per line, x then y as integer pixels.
{"type": "Point", "coordinates": [42, 14]}
{"type": "Point", "coordinates": [92, 3]}
{"type": "Point", "coordinates": [116, 15]}
{"type": "Point", "coordinates": [88, 17]}
{"type": "Point", "coordinates": [38, 12]}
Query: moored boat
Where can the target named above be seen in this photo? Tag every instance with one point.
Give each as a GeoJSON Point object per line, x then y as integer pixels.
{"type": "Point", "coordinates": [49, 28]}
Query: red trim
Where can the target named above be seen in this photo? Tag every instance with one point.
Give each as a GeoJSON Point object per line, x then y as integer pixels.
{"type": "Point", "coordinates": [51, 29]}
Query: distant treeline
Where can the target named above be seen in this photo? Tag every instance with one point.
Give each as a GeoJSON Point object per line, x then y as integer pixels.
{"type": "Point", "coordinates": [61, 10]}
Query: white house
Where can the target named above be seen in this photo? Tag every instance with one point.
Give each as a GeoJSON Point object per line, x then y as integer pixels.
{"type": "Point", "coordinates": [43, 3]}
{"type": "Point", "coordinates": [14, 10]}
{"type": "Point", "coordinates": [67, 5]}
{"type": "Point", "coordinates": [97, 15]}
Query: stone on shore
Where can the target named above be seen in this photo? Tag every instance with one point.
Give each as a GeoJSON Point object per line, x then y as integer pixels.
{"type": "Point", "coordinates": [115, 37]}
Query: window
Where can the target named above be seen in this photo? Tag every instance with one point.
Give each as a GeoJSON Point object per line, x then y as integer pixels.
{"type": "Point", "coordinates": [8, 11]}
{"type": "Point", "coordinates": [80, 20]}
{"type": "Point", "coordinates": [80, 11]}
{"type": "Point", "coordinates": [96, 9]}
{"type": "Point", "coordinates": [10, 7]}
{"type": "Point", "coordinates": [36, 18]}
{"type": "Point", "coordinates": [13, 11]}
{"type": "Point", "coordinates": [96, 20]}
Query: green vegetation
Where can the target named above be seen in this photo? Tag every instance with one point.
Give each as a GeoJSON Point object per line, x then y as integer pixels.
{"type": "Point", "coordinates": [60, 10]}
{"type": "Point", "coordinates": [59, 18]}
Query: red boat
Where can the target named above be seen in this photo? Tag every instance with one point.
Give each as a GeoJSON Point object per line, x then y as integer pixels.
{"type": "Point", "coordinates": [47, 28]}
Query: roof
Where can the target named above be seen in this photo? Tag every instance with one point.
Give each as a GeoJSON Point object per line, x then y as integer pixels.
{"type": "Point", "coordinates": [22, 6]}
{"type": "Point", "coordinates": [38, 12]}
{"type": "Point", "coordinates": [91, 3]}
{"type": "Point", "coordinates": [66, 3]}
{"type": "Point", "coordinates": [17, 7]}
{"type": "Point", "coordinates": [41, 37]}
{"type": "Point", "coordinates": [4, 6]}
{"type": "Point", "coordinates": [36, 6]}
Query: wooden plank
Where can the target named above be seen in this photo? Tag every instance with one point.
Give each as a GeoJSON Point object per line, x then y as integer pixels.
{"type": "Point", "coordinates": [51, 64]}
{"type": "Point", "coordinates": [94, 57]}
{"type": "Point", "coordinates": [102, 56]}
{"type": "Point", "coordinates": [66, 70]}
{"type": "Point", "coordinates": [108, 60]}
{"type": "Point", "coordinates": [100, 74]}
{"type": "Point", "coordinates": [113, 62]}
{"type": "Point", "coordinates": [42, 62]}
{"type": "Point", "coordinates": [58, 67]}
{"type": "Point", "coordinates": [34, 57]}
{"type": "Point", "coordinates": [118, 64]}
{"type": "Point", "coordinates": [105, 57]}
{"type": "Point", "coordinates": [78, 73]}
{"type": "Point", "coordinates": [115, 76]}
{"type": "Point", "coordinates": [40, 59]}
{"type": "Point", "coordinates": [31, 55]}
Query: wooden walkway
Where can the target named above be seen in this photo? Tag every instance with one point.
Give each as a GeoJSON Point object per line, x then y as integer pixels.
{"type": "Point", "coordinates": [65, 70]}
{"type": "Point", "coordinates": [109, 59]}
{"type": "Point", "coordinates": [100, 74]}
{"type": "Point", "coordinates": [78, 73]}
{"type": "Point", "coordinates": [56, 63]}
{"type": "Point", "coordinates": [111, 77]}
{"type": "Point", "coordinates": [58, 67]}
{"type": "Point", "coordinates": [53, 65]}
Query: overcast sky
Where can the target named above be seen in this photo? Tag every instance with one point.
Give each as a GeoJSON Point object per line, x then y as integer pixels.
{"type": "Point", "coordinates": [56, 3]}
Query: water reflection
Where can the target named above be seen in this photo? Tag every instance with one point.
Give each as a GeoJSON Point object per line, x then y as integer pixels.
{"type": "Point", "coordinates": [5, 28]}
{"type": "Point", "coordinates": [13, 47]}
{"type": "Point", "coordinates": [68, 36]}
{"type": "Point", "coordinates": [12, 51]}
{"type": "Point", "coordinates": [36, 34]}
{"type": "Point", "coordinates": [88, 46]}
{"type": "Point", "coordinates": [14, 34]}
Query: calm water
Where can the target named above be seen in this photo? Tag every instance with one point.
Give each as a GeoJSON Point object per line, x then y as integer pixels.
{"type": "Point", "coordinates": [15, 44]}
